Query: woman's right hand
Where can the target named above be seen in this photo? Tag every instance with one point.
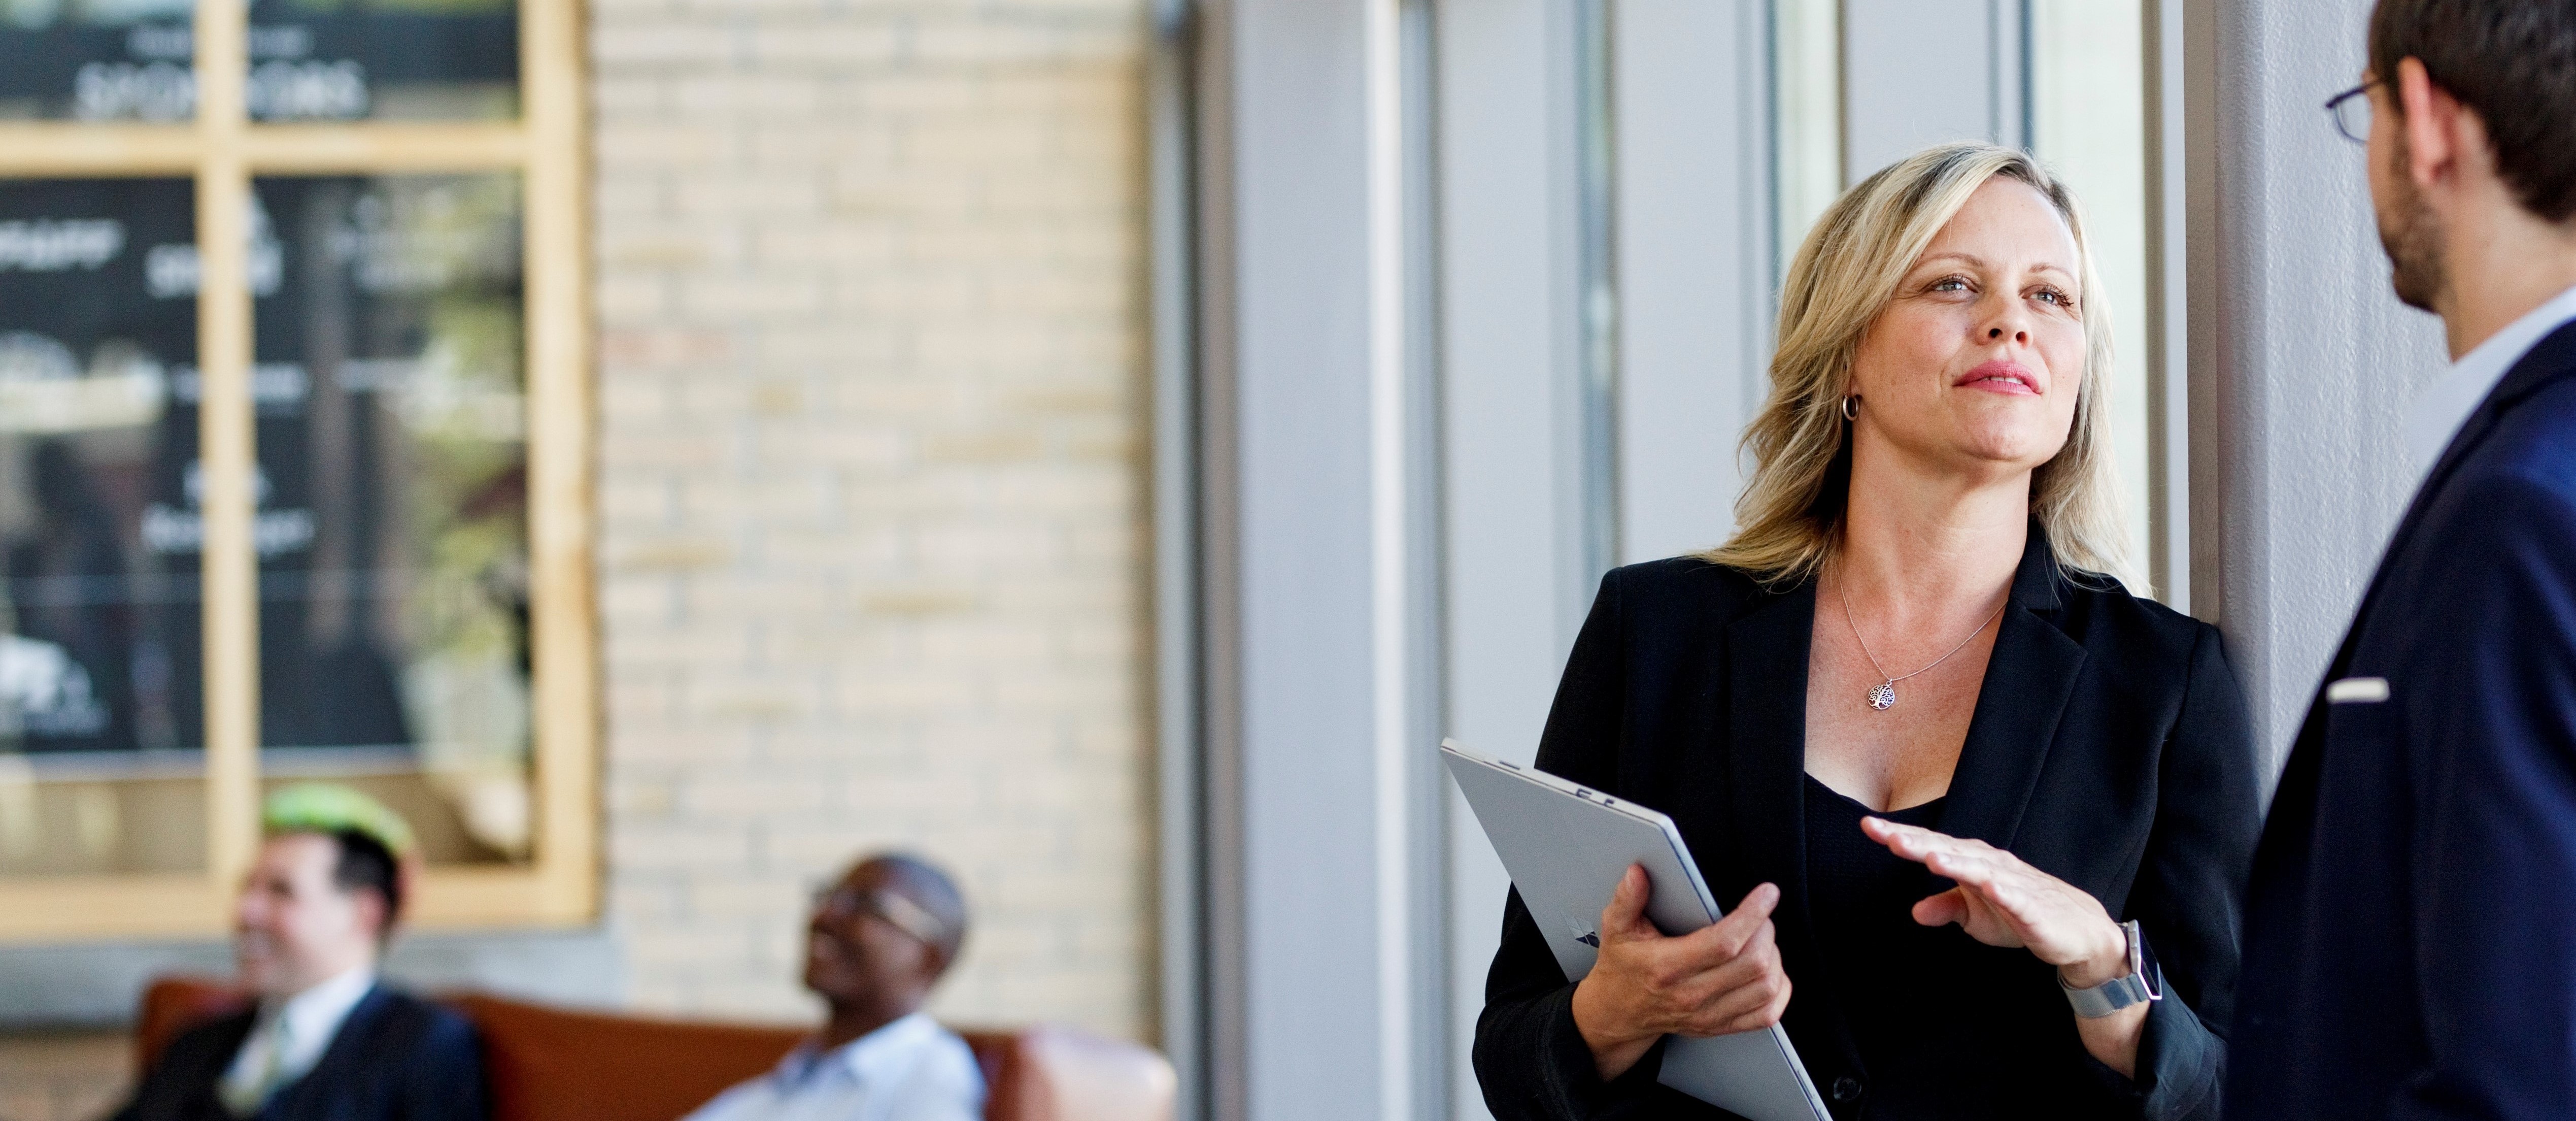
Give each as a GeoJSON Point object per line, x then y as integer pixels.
{"type": "Point", "coordinates": [1717, 980]}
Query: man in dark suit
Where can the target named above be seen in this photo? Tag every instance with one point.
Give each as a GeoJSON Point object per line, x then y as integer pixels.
{"type": "Point", "coordinates": [327, 1041]}
{"type": "Point", "coordinates": [2411, 928]}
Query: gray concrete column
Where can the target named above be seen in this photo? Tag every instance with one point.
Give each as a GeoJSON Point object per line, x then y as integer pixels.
{"type": "Point", "coordinates": [1514, 584]}
{"type": "Point", "coordinates": [1322, 812]}
{"type": "Point", "coordinates": [1693, 188]}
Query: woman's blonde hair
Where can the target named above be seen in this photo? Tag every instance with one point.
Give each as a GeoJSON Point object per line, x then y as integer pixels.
{"type": "Point", "coordinates": [1845, 274]}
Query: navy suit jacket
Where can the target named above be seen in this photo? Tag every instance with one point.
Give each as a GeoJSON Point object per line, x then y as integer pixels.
{"type": "Point", "coordinates": [2411, 925]}
{"type": "Point", "coordinates": [397, 1058]}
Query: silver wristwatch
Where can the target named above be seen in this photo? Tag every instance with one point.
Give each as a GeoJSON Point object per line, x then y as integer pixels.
{"type": "Point", "coordinates": [2118, 992]}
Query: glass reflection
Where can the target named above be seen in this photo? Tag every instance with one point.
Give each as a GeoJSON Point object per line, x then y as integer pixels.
{"type": "Point", "coordinates": [101, 724]}
{"type": "Point", "coordinates": [2088, 117]}
{"type": "Point", "coordinates": [310, 60]}
{"type": "Point", "coordinates": [384, 59]}
{"type": "Point", "coordinates": [392, 529]}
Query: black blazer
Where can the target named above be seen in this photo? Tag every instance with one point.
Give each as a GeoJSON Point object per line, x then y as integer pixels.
{"type": "Point", "coordinates": [397, 1058]}
{"type": "Point", "coordinates": [2410, 943]}
{"type": "Point", "coordinates": [2110, 747]}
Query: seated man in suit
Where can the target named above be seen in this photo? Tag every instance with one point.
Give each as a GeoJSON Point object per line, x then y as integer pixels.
{"type": "Point", "coordinates": [876, 943]}
{"type": "Point", "coordinates": [327, 1041]}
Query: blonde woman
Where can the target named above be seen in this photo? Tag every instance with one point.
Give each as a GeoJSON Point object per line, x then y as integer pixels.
{"type": "Point", "coordinates": [1981, 814]}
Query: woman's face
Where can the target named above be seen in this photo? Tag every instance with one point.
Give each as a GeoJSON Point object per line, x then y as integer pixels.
{"type": "Point", "coordinates": [1973, 367]}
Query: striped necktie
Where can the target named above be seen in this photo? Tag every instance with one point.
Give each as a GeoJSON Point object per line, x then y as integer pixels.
{"type": "Point", "coordinates": [243, 1098]}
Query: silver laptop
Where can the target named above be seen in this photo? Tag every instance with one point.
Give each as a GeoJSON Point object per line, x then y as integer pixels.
{"type": "Point", "coordinates": [1566, 848]}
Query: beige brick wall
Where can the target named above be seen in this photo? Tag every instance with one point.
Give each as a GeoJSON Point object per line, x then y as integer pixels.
{"type": "Point", "coordinates": [871, 466]}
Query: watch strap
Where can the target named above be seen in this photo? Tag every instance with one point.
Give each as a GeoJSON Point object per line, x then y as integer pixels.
{"type": "Point", "coordinates": [2119, 992]}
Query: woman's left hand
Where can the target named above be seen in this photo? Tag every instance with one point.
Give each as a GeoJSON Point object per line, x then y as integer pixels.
{"type": "Point", "coordinates": [2002, 901]}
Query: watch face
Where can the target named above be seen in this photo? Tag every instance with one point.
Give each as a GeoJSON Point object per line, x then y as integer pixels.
{"type": "Point", "coordinates": [2140, 960]}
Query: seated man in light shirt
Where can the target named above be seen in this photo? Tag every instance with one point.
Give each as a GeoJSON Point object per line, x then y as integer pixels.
{"type": "Point", "coordinates": [327, 1041]}
{"type": "Point", "coordinates": [876, 943]}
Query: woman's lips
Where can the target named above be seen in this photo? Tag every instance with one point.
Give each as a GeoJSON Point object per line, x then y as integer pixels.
{"type": "Point", "coordinates": [2000, 376]}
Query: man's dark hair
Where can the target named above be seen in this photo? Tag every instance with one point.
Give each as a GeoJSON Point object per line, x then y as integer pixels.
{"type": "Point", "coordinates": [2514, 63]}
{"type": "Point", "coordinates": [365, 864]}
{"type": "Point", "coordinates": [929, 887]}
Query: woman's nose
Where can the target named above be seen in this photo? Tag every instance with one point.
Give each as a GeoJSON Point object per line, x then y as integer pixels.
{"type": "Point", "coordinates": [2008, 321]}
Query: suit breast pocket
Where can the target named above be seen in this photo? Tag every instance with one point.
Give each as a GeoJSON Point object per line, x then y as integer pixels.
{"type": "Point", "coordinates": [2363, 716]}
{"type": "Point", "coordinates": [2358, 706]}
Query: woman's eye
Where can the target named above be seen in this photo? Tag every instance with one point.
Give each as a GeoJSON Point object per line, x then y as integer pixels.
{"type": "Point", "coordinates": [2053, 296]}
{"type": "Point", "coordinates": [1950, 284]}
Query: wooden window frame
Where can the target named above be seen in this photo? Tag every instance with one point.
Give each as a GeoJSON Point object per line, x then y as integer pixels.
{"type": "Point", "coordinates": [222, 151]}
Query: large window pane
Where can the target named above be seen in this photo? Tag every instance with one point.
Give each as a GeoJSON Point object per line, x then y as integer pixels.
{"type": "Point", "coordinates": [2088, 120]}
{"type": "Point", "coordinates": [101, 725]}
{"type": "Point", "coordinates": [133, 60]}
{"type": "Point", "coordinates": [393, 519]}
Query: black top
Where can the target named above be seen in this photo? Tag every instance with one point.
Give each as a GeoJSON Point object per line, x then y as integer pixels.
{"type": "Point", "coordinates": [1897, 982]}
{"type": "Point", "coordinates": [1862, 897]}
{"type": "Point", "coordinates": [396, 1058]}
{"type": "Point", "coordinates": [2410, 943]}
{"type": "Point", "coordinates": [2110, 747]}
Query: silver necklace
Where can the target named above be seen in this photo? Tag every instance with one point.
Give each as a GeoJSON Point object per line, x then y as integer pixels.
{"type": "Point", "coordinates": [1882, 696]}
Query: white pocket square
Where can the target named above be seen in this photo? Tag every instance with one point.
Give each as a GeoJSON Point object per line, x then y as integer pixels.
{"type": "Point", "coordinates": [2357, 691]}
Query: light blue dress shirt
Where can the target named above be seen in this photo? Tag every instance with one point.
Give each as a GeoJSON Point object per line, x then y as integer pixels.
{"type": "Point", "coordinates": [289, 1038]}
{"type": "Point", "coordinates": [909, 1070]}
{"type": "Point", "coordinates": [2445, 404]}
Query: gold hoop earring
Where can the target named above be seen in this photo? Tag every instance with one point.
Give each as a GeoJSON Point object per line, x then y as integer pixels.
{"type": "Point", "coordinates": [1851, 407]}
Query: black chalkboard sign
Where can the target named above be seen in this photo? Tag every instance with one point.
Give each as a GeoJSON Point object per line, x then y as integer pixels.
{"type": "Point", "coordinates": [98, 628]}
{"type": "Point", "coordinates": [309, 60]}
{"type": "Point", "coordinates": [390, 504]}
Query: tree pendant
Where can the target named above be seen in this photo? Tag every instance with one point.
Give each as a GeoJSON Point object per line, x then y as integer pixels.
{"type": "Point", "coordinates": [1882, 696]}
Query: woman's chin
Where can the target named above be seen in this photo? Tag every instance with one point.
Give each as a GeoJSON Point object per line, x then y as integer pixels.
{"type": "Point", "coordinates": [2008, 447]}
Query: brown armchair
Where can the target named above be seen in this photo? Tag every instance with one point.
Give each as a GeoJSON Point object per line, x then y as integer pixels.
{"type": "Point", "coordinates": [546, 1064]}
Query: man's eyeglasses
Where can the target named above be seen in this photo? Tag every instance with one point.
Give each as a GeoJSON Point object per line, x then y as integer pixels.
{"type": "Point", "coordinates": [840, 901]}
{"type": "Point", "coordinates": [2351, 112]}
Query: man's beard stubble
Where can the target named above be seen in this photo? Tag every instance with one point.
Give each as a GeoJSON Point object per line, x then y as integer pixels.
{"type": "Point", "coordinates": [2413, 242]}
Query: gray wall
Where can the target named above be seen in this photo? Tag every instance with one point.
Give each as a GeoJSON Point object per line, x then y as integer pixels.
{"type": "Point", "coordinates": [2303, 362]}
{"type": "Point", "coordinates": [1919, 72]}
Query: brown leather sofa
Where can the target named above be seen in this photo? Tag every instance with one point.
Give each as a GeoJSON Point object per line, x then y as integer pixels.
{"type": "Point", "coordinates": [549, 1064]}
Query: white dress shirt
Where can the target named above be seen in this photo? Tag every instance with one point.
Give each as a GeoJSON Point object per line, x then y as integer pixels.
{"type": "Point", "coordinates": [290, 1038]}
{"type": "Point", "coordinates": [2446, 404]}
{"type": "Point", "coordinates": [909, 1070]}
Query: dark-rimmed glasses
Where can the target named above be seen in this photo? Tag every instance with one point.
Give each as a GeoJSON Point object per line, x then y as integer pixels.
{"type": "Point", "coordinates": [841, 901]}
{"type": "Point", "coordinates": [2351, 112]}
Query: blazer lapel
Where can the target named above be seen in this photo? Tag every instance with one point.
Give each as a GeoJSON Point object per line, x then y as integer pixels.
{"type": "Point", "coordinates": [2029, 678]}
{"type": "Point", "coordinates": [338, 1066]}
{"type": "Point", "coordinates": [198, 1084]}
{"type": "Point", "coordinates": [1766, 658]}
